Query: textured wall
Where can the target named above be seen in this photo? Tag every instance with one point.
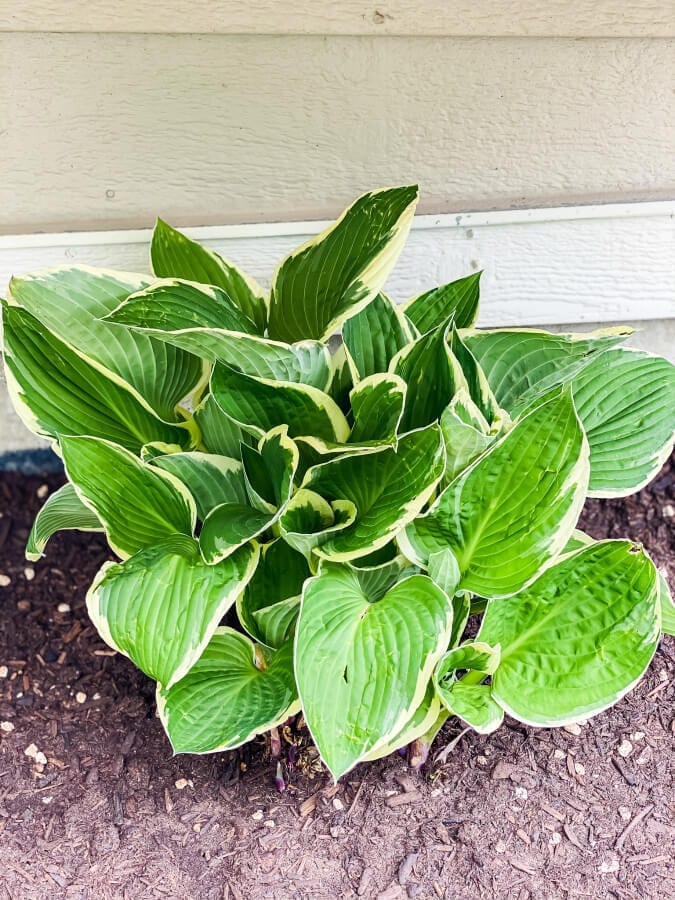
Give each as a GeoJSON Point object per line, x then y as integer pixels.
{"type": "Point", "coordinates": [106, 130]}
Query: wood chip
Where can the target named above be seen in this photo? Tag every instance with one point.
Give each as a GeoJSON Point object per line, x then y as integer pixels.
{"type": "Point", "coordinates": [406, 867]}
{"type": "Point", "coordinates": [553, 812]}
{"type": "Point", "coordinates": [308, 806]}
{"type": "Point", "coordinates": [632, 825]}
{"type": "Point", "coordinates": [572, 838]}
{"type": "Point", "coordinates": [403, 799]}
{"type": "Point", "coordinates": [523, 866]}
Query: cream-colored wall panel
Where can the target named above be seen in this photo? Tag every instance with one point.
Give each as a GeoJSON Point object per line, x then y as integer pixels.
{"type": "Point", "coordinates": [568, 18]}
{"type": "Point", "coordinates": [108, 130]}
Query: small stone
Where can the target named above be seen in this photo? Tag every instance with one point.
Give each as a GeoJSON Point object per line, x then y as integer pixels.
{"type": "Point", "coordinates": [182, 783]}
{"type": "Point", "coordinates": [81, 697]}
{"type": "Point", "coordinates": [23, 605]}
{"type": "Point", "coordinates": [437, 792]}
{"type": "Point", "coordinates": [5, 580]}
{"type": "Point", "coordinates": [337, 804]}
{"type": "Point", "coordinates": [197, 827]}
{"type": "Point", "coordinates": [481, 760]}
{"type": "Point", "coordinates": [40, 758]}
{"type": "Point", "coordinates": [500, 847]}
{"type": "Point", "coordinates": [258, 815]}
{"type": "Point", "coordinates": [63, 607]}
{"type": "Point", "coordinates": [609, 866]}
{"type": "Point", "coordinates": [30, 751]}
{"type": "Point", "coordinates": [42, 491]}
{"type": "Point", "coordinates": [29, 573]}
{"type": "Point", "coordinates": [6, 727]}
{"type": "Point", "coordinates": [637, 736]}
{"type": "Point", "coordinates": [4, 671]}
{"type": "Point", "coordinates": [579, 768]}
{"type": "Point", "coordinates": [625, 749]}
{"type": "Point", "coordinates": [555, 838]}
{"type": "Point", "coordinates": [559, 754]}
{"type": "Point", "coordinates": [668, 511]}
{"type": "Point", "coordinates": [47, 800]}
{"type": "Point", "coordinates": [521, 793]}
{"type": "Point", "coordinates": [574, 728]}
{"type": "Point", "coordinates": [625, 813]}
{"type": "Point", "coordinates": [644, 757]}
{"type": "Point", "coordinates": [269, 823]}
{"type": "Point", "coordinates": [96, 696]}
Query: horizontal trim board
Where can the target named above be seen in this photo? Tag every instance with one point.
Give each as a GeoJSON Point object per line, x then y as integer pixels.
{"type": "Point", "coordinates": [603, 263]}
{"type": "Point", "coordinates": [493, 18]}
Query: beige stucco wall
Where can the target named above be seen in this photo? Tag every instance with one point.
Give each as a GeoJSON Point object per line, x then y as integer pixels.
{"type": "Point", "coordinates": [107, 130]}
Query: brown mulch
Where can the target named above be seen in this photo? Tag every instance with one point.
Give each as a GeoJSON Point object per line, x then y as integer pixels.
{"type": "Point", "coordinates": [107, 812]}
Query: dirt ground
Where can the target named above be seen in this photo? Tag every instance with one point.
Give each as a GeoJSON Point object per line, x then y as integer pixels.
{"type": "Point", "coordinates": [92, 804]}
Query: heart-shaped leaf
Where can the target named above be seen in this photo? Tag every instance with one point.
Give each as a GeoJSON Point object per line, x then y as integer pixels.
{"type": "Point", "coordinates": [375, 335]}
{"type": "Point", "coordinates": [363, 660]}
{"type": "Point", "coordinates": [233, 692]}
{"type": "Point", "coordinates": [162, 606]}
{"type": "Point", "coordinates": [62, 510]}
{"type": "Point", "coordinates": [577, 639]}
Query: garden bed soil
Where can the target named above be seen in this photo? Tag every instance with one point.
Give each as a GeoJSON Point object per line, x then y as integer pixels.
{"type": "Point", "coordinates": [93, 805]}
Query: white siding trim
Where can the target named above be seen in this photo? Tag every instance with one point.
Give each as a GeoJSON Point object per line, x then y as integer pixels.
{"type": "Point", "coordinates": [603, 263]}
{"type": "Point", "coordinates": [494, 18]}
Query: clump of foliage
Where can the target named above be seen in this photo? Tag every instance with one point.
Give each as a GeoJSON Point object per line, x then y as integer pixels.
{"type": "Point", "coordinates": [345, 507]}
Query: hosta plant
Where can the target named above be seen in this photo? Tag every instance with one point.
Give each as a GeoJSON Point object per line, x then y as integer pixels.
{"type": "Point", "coordinates": [379, 530]}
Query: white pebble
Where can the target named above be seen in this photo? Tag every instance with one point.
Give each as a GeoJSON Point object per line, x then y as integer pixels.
{"type": "Point", "coordinates": [500, 847]}
{"type": "Point", "coordinates": [574, 728]}
{"type": "Point", "coordinates": [337, 804]}
{"type": "Point", "coordinates": [637, 736]}
{"type": "Point", "coordinates": [63, 607]}
{"type": "Point", "coordinates": [559, 754]}
{"type": "Point", "coordinates": [625, 748]}
{"type": "Point", "coordinates": [40, 758]}
{"type": "Point", "coordinates": [29, 573]}
{"type": "Point", "coordinates": [81, 697]}
{"type": "Point", "coordinates": [47, 800]}
{"type": "Point", "coordinates": [521, 793]}
{"type": "Point", "coordinates": [5, 580]}
{"type": "Point", "coordinates": [96, 696]}
{"type": "Point", "coordinates": [42, 491]}
{"type": "Point", "coordinates": [481, 760]}
{"type": "Point", "coordinates": [31, 750]}
{"type": "Point", "coordinates": [269, 823]}
{"type": "Point", "coordinates": [182, 783]}
{"type": "Point", "coordinates": [625, 813]}
{"type": "Point", "coordinates": [4, 671]}
{"type": "Point", "coordinates": [609, 866]}
{"type": "Point", "coordinates": [579, 768]}
{"type": "Point", "coordinates": [668, 511]}
{"type": "Point", "coordinates": [7, 726]}
{"type": "Point", "coordinates": [258, 815]}
{"type": "Point", "coordinates": [555, 838]}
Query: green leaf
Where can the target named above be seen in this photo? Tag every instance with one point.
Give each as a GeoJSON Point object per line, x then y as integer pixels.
{"type": "Point", "coordinates": [418, 725]}
{"type": "Point", "coordinates": [258, 405]}
{"type": "Point", "coordinates": [375, 335]}
{"type": "Point", "coordinates": [270, 470]}
{"type": "Point", "coordinates": [511, 513]}
{"type": "Point", "coordinates": [162, 606]}
{"type": "Point", "coordinates": [444, 571]}
{"type": "Point", "coordinates": [174, 255]}
{"type": "Point", "coordinates": [432, 375]}
{"type": "Point", "coordinates": [219, 433]}
{"type": "Point", "coordinates": [522, 364]}
{"type": "Point", "coordinates": [464, 442]}
{"type": "Point", "coordinates": [137, 504]}
{"type": "Point", "coordinates": [72, 302]}
{"type": "Point", "coordinates": [458, 299]}
{"type": "Point", "coordinates": [338, 273]}
{"type": "Point", "coordinates": [342, 380]}
{"type": "Point", "coordinates": [577, 541]}
{"type": "Point", "coordinates": [57, 391]}
{"type": "Point", "coordinates": [667, 607]}
{"type": "Point", "coordinates": [235, 691]}
{"type": "Point", "coordinates": [579, 638]}
{"type": "Point", "coordinates": [276, 623]}
{"type": "Point", "coordinates": [62, 510]}
{"type": "Point", "coordinates": [478, 387]}
{"type": "Point", "coordinates": [309, 521]}
{"type": "Point", "coordinates": [279, 578]}
{"type": "Point", "coordinates": [211, 479]}
{"type": "Point", "coordinates": [474, 705]}
{"type": "Point", "coordinates": [377, 406]}
{"type": "Point", "coordinates": [230, 526]}
{"type": "Point", "coordinates": [388, 487]}
{"type": "Point", "coordinates": [353, 696]}
{"type": "Point", "coordinates": [626, 402]}
{"type": "Point", "coordinates": [203, 320]}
